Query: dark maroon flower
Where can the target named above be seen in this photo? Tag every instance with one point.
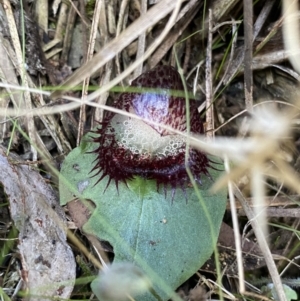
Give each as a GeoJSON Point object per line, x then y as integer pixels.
{"type": "Point", "coordinates": [128, 147]}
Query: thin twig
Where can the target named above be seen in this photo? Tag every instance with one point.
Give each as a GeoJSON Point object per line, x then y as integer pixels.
{"type": "Point", "coordinates": [208, 82]}
{"type": "Point", "coordinates": [248, 36]}
{"type": "Point", "coordinates": [263, 245]}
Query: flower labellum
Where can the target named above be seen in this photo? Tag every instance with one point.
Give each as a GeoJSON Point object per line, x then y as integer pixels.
{"type": "Point", "coordinates": [128, 147]}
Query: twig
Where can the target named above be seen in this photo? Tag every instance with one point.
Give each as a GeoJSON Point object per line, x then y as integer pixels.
{"type": "Point", "coordinates": [208, 83]}
{"type": "Point", "coordinates": [248, 36]}
{"type": "Point", "coordinates": [263, 245]}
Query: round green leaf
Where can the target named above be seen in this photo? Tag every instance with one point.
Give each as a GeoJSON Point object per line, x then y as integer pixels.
{"type": "Point", "coordinates": [170, 239]}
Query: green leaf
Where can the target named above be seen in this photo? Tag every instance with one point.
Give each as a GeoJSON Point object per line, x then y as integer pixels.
{"type": "Point", "coordinates": [169, 239]}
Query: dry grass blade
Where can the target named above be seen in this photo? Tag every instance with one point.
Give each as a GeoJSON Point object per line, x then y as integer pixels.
{"type": "Point", "coordinates": [248, 29]}
{"type": "Point", "coordinates": [149, 51]}
{"type": "Point", "coordinates": [185, 17]}
{"type": "Point", "coordinates": [91, 48]}
{"type": "Point", "coordinates": [42, 10]}
{"type": "Point", "coordinates": [20, 67]}
{"type": "Point", "coordinates": [141, 42]}
{"type": "Point", "coordinates": [9, 76]}
{"type": "Point", "coordinates": [264, 246]}
{"type": "Point", "coordinates": [221, 8]}
{"type": "Point", "coordinates": [236, 231]}
{"type": "Point", "coordinates": [109, 51]}
{"type": "Point", "coordinates": [291, 31]}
